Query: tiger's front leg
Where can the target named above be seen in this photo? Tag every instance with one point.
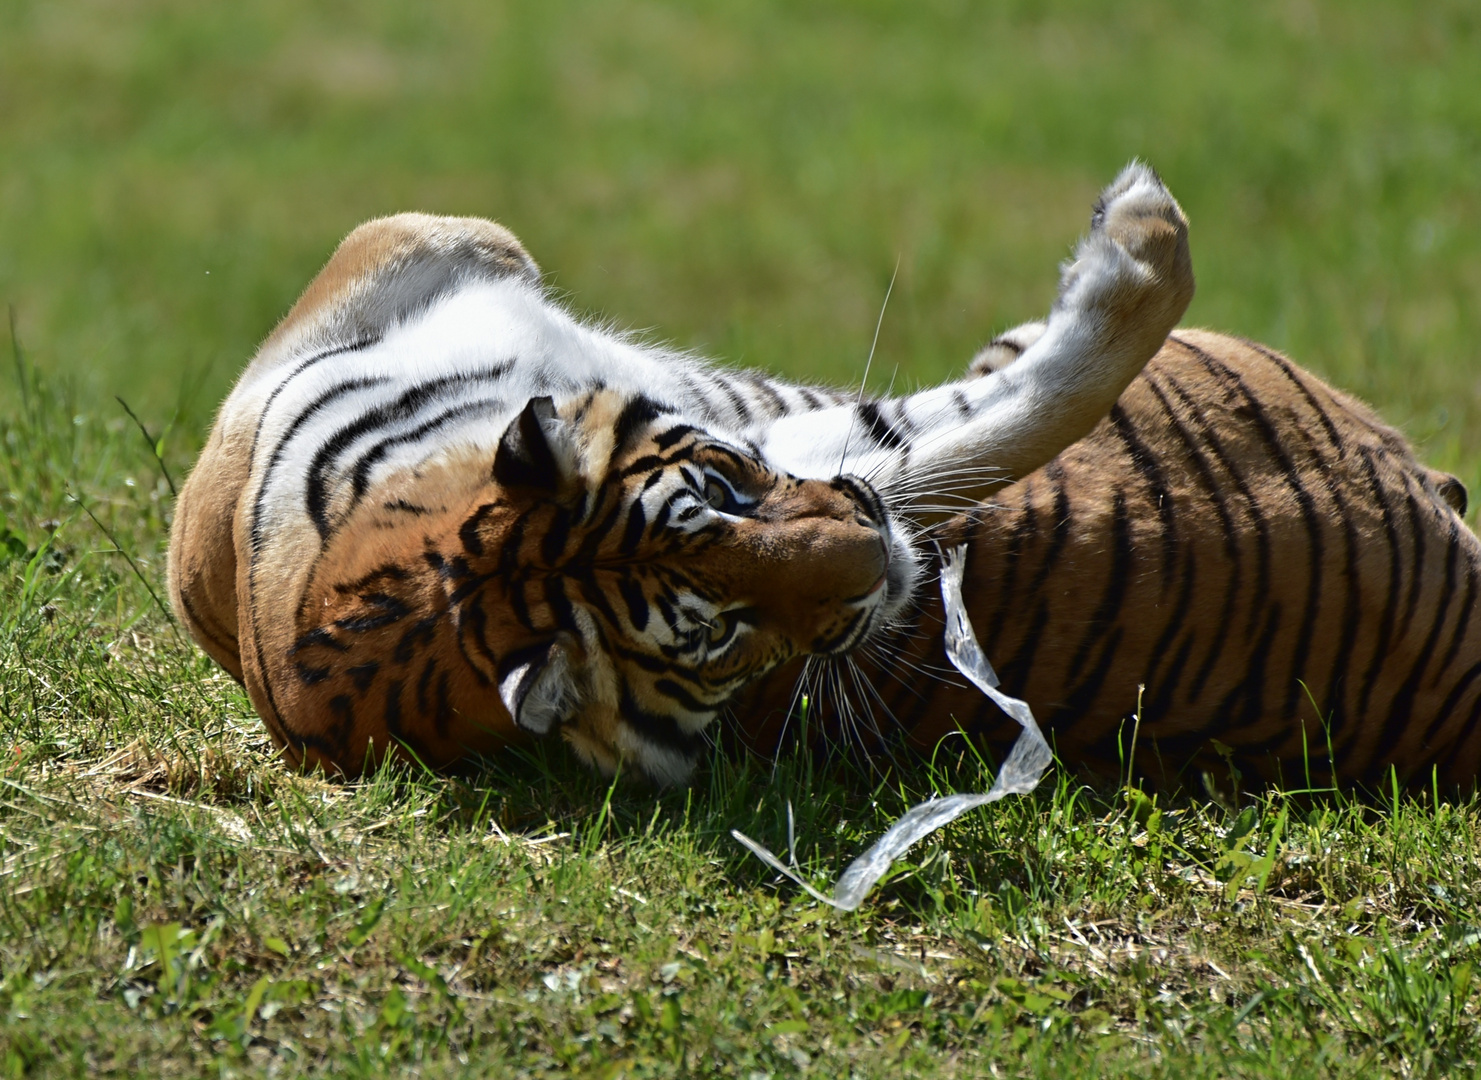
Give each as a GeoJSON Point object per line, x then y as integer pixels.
{"type": "Point", "coordinates": [1127, 287]}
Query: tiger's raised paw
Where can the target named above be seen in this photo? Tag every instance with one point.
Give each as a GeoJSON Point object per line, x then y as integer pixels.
{"type": "Point", "coordinates": [1132, 276]}
{"type": "Point", "coordinates": [1127, 286]}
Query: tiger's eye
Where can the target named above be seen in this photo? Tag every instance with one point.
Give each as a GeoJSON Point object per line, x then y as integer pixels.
{"type": "Point", "coordinates": [722, 628]}
{"type": "Point", "coordinates": [716, 495]}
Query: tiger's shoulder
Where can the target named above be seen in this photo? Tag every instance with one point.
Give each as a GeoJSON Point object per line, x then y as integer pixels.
{"type": "Point", "coordinates": [383, 273]}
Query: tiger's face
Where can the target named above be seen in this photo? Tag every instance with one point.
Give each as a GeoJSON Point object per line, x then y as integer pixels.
{"type": "Point", "coordinates": [618, 578]}
{"type": "Point", "coordinates": [674, 568]}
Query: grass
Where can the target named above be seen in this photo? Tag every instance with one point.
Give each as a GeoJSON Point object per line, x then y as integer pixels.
{"type": "Point", "coordinates": [744, 176]}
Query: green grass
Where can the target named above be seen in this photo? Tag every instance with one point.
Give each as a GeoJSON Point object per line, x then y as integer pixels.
{"type": "Point", "coordinates": [743, 177]}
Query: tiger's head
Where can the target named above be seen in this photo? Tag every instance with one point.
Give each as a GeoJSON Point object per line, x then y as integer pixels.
{"type": "Point", "coordinates": [617, 575]}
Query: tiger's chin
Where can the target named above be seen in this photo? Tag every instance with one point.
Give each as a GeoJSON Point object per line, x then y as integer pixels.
{"type": "Point", "coordinates": [662, 766]}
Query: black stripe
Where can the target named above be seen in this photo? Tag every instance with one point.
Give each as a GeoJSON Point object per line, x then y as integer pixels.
{"type": "Point", "coordinates": [1084, 695]}
{"type": "Point", "coordinates": [557, 532]}
{"type": "Point", "coordinates": [362, 675]}
{"type": "Point", "coordinates": [1193, 453]}
{"type": "Point", "coordinates": [1467, 606]}
{"type": "Point", "coordinates": [1313, 522]}
{"type": "Point", "coordinates": [1335, 706]}
{"type": "Point", "coordinates": [742, 463]}
{"type": "Point", "coordinates": [360, 474]}
{"type": "Point", "coordinates": [840, 640]}
{"type": "Point", "coordinates": [468, 531]}
{"type": "Point", "coordinates": [1172, 628]}
{"type": "Point", "coordinates": [424, 686]}
{"type": "Point", "coordinates": [324, 400]}
{"type": "Point", "coordinates": [632, 535]}
{"type": "Point", "coordinates": [391, 610]}
{"type": "Point", "coordinates": [656, 728]}
{"type": "Point", "coordinates": [442, 718]}
{"type": "Point", "coordinates": [669, 688]}
{"type": "Point", "coordinates": [1415, 562]}
{"type": "Point", "coordinates": [650, 664]}
{"type": "Point", "coordinates": [1021, 536]}
{"type": "Point", "coordinates": [876, 427]}
{"type": "Point", "coordinates": [775, 405]}
{"type": "Point", "coordinates": [470, 585]}
{"type": "Point", "coordinates": [665, 439]}
{"type": "Point", "coordinates": [636, 415]}
{"type": "Point", "coordinates": [272, 715]}
{"type": "Point", "coordinates": [637, 603]}
{"type": "Point", "coordinates": [310, 675]}
{"type": "Point", "coordinates": [665, 509]}
{"type": "Point", "coordinates": [338, 350]}
{"type": "Point", "coordinates": [318, 636]}
{"type": "Point", "coordinates": [902, 424]}
{"type": "Point", "coordinates": [597, 534]}
{"type": "Point", "coordinates": [1385, 636]}
{"type": "Point", "coordinates": [404, 407]}
{"type": "Point", "coordinates": [1401, 705]}
{"type": "Point", "coordinates": [454, 569]}
{"type": "Point", "coordinates": [420, 632]}
{"type": "Point", "coordinates": [513, 545]}
{"type": "Point", "coordinates": [698, 391]}
{"type": "Point", "coordinates": [517, 658]}
{"type": "Point", "coordinates": [561, 609]}
{"type": "Point", "coordinates": [1165, 685]}
{"type": "Point", "coordinates": [596, 596]}
{"type": "Point", "coordinates": [344, 726]}
{"type": "Point", "coordinates": [208, 629]}
{"type": "Point", "coordinates": [1054, 472]}
{"type": "Point", "coordinates": [391, 713]}
{"type": "Point", "coordinates": [1014, 673]}
{"type": "Point", "coordinates": [1114, 595]}
{"type": "Point", "coordinates": [387, 571]}
{"type": "Point", "coordinates": [1252, 505]}
{"type": "Point", "coordinates": [1289, 371]}
{"type": "Point", "coordinates": [1252, 687]}
{"type": "Point", "coordinates": [963, 406]}
{"type": "Point", "coordinates": [737, 400]}
{"type": "Point", "coordinates": [1452, 699]}
{"type": "Point", "coordinates": [1147, 464]}
{"type": "Point", "coordinates": [474, 624]}
{"type": "Point", "coordinates": [641, 465]}
{"type": "Point", "coordinates": [518, 603]}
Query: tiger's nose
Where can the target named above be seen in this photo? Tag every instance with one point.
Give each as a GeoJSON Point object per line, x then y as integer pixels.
{"type": "Point", "coordinates": [866, 500]}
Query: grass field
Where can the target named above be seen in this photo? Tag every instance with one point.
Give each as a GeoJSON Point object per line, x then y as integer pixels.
{"type": "Point", "coordinates": [744, 178]}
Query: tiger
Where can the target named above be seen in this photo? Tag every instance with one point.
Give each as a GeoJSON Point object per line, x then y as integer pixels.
{"type": "Point", "coordinates": [438, 514]}
{"type": "Point", "coordinates": [1240, 576]}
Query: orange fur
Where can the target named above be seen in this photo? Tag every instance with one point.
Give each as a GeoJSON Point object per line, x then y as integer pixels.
{"type": "Point", "coordinates": [1258, 550]}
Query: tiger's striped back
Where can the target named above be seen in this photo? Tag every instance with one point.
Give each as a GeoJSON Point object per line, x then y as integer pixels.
{"type": "Point", "coordinates": [1270, 560]}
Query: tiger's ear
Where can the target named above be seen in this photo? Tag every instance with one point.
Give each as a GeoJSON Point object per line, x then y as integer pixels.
{"type": "Point", "coordinates": [536, 687]}
{"type": "Point", "coordinates": [537, 450]}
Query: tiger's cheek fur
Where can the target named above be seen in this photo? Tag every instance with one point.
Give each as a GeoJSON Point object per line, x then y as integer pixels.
{"type": "Point", "coordinates": [395, 634]}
